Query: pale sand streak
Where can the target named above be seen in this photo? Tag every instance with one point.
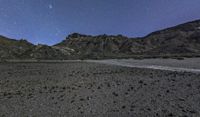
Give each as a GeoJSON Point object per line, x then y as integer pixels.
{"type": "Point", "coordinates": [157, 67]}
{"type": "Point", "coordinates": [125, 63]}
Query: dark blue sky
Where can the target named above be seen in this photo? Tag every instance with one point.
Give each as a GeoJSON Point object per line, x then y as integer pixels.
{"type": "Point", "coordinates": [50, 21]}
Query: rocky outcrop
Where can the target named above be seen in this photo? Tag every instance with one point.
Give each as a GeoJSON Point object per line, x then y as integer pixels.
{"type": "Point", "coordinates": [85, 44]}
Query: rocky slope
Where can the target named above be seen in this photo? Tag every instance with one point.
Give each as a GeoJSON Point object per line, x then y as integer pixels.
{"type": "Point", "coordinates": [181, 40]}
{"type": "Point", "coordinates": [47, 52]}
{"type": "Point", "coordinates": [12, 49]}
{"type": "Point", "coordinates": [94, 46]}
{"type": "Point", "coordinates": [22, 49]}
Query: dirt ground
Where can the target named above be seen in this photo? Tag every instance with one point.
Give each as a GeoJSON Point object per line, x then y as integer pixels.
{"type": "Point", "coordinates": [187, 64]}
{"type": "Point", "coordinates": [92, 89]}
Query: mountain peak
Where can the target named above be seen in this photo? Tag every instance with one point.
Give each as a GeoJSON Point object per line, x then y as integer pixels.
{"type": "Point", "coordinates": [76, 35]}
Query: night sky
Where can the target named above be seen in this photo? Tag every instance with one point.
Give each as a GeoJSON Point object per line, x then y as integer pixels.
{"type": "Point", "coordinates": [50, 21]}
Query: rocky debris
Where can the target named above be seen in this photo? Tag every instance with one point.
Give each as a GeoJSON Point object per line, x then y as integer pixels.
{"type": "Point", "coordinates": [90, 89]}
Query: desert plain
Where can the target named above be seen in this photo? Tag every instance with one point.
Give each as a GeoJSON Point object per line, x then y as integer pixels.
{"type": "Point", "coordinates": [101, 88]}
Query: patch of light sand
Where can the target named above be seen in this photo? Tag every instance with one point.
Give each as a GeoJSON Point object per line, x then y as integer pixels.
{"type": "Point", "coordinates": [136, 64]}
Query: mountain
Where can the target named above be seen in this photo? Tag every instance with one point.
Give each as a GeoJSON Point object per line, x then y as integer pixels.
{"type": "Point", "coordinates": [47, 52]}
{"type": "Point", "coordinates": [12, 49]}
{"type": "Point", "coordinates": [94, 46]}
{"type": "Point", "coordinates": [22, 49]}
{"type": "Point", "coordinates": [179, 41]}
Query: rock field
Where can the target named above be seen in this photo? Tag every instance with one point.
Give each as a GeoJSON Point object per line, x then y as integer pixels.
{"type": "Point", "coordinates": [92, 89]}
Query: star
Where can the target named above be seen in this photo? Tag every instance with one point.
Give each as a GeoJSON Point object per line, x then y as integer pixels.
{"type": "Point", "coordinates": [14, 22]}
{"type": "Point", "coordinates": [50, 6]}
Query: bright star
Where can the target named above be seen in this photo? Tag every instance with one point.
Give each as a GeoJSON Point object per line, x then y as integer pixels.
{"type": "Point", "coordinates": [50, 6]}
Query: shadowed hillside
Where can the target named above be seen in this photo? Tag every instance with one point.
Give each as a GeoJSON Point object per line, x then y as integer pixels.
{"type": "Point", "coordinates": [179, 41]}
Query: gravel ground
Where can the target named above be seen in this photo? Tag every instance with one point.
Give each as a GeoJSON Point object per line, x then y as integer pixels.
{"type": "Point", "coordinates": [188, 64]}
{"type": "Point", "coordinates": [92, 89]}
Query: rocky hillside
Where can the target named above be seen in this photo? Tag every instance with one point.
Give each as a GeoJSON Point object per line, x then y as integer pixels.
{"type": "Point", "coordinates": [94, 46]}
{"type": "Point", "coordinates": [22, 49]}
{"type": "Point", "coordinates": [181, 40]}
{"type": "Point", "coordinates": [47, 52]}
{"type": "Point", "coordinates": [12, 49]}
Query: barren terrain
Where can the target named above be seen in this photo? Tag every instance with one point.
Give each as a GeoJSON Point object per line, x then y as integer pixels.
{"type": "Point", "coordinates": [83, 88]}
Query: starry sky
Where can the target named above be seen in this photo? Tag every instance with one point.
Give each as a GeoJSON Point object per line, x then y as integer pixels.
{"type": "Point", "coordinates": [50, 21]}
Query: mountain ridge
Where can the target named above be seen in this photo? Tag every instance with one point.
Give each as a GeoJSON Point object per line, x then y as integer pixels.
{"type": "Point", "coordinates": [181, 40]}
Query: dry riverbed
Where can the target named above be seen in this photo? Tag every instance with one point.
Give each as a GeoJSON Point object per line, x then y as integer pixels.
{"type": "Point", "coordinates": [95, 89]}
